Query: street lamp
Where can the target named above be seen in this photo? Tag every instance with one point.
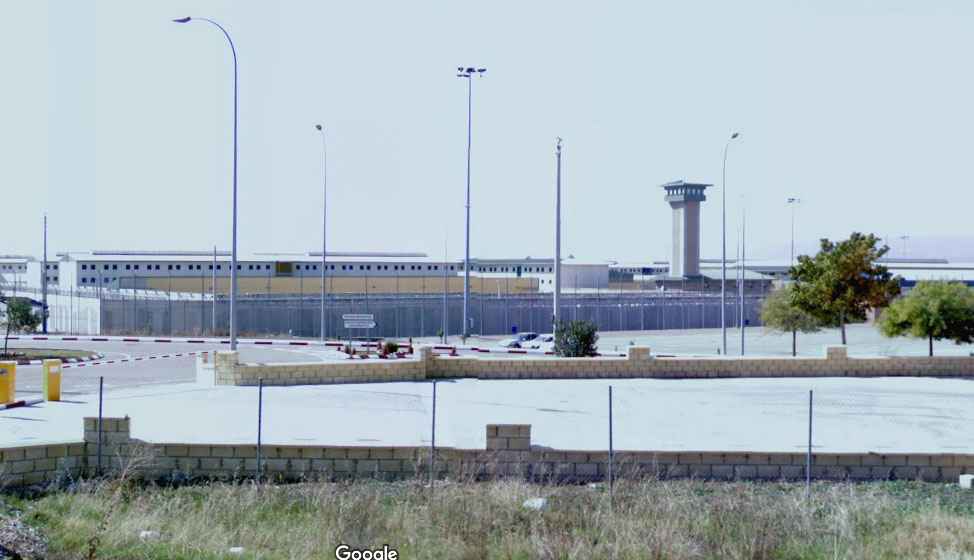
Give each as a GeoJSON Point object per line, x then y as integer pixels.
{"type": "Point", "coordinates": [793, 202]}
{"type": "Point", "coordinates": [557, 299]}
{"type": "Point", "coordinates": [723, 247]}
{"type": "Point", "coordinates": [324, 221]}
{"type": "Point", "coordinates": [468, 73]}
{"type": "Point", "coordinates": [233, 250]}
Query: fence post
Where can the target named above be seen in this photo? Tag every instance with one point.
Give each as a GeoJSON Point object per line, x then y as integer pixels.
{"type": "Point", "coordinates": [611, 458]}
{"type": "Point", "coordinates": [433, 442]}
{"type": "Point", "coordinates": [808, 456]}
{"type": "Point", "coordinates": [260, 420]}
{"type": "Point", "coordinates": [101, 386]}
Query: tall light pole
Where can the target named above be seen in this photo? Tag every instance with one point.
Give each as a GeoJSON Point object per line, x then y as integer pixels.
{"type": "Point", "coordinates": [468, 74]}
{"type": "Point", "coordinates": [904, 239]}
{"type": "Point", "coordinates": [792, 202]}
{"type": "Point", "coordinates": [743, 272]}
{"type": "Point", "coordinates": [723, 247]}
{"type": "Point", "coordinates": [557, 299]}
{"type": "Point", "coordinates": [233, 249]}
{"type": "Point", "coordinates": [324, 221]}
{"type": "Point", "coordinates": [213, 293]}
{"type": "Point", "coordinates": [44, 282]}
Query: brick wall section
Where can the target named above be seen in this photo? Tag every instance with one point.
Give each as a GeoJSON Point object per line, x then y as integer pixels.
{"type": "Point", "coordinates": [509, 452]}
{"type": "Point", "coordinates": [36, 464]}
{"type": "Point", "coordinates": [639, 363]}
{"type": "Point", "coordinates": [229, 372]}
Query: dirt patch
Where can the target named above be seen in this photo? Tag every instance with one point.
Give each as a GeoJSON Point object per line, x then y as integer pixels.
{"type": "Point", "coordinates": [20, 541]}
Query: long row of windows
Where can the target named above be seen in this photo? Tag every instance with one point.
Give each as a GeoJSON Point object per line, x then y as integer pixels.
{"type": "Point", "coordinates": [267, 267]}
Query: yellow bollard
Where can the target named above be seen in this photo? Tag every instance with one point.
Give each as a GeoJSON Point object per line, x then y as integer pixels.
{"type": "Point", "coordinates": [52, 380]}
{"type": "Point", "coordinates": [8, 380]}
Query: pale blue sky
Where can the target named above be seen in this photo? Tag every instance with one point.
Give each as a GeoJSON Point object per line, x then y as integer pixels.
{"type": "Point", "coordinates": [117, 122]}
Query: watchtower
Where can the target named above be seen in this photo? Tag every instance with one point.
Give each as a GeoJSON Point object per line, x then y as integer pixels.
{"type": "Point", "coordinates": [685, 199]}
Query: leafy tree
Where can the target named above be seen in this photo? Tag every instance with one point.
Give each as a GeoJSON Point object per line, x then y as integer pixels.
{"type": "Point", "coordinates": [575, 339]}
{"type": "Point", "coordinates": [779, 313]}
{"type": "Point", "coordinates": [21, 315]}
{"type": "Point", "coordinates": [932, 310]}
{"type": "Point", "coordinates": [843, 282]}
{"type": "Point", "coordinates": [18, 316]}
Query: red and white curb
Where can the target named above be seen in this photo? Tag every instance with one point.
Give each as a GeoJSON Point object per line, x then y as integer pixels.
{"type": "Point", "coordinates": [452, 350]}
{"type": "Point", "coordinates": [90, 358]}
{"type": "Point", "coordinates": [20, 403]}
{"type": "Point", "coordinates": [257, 342]}
{"type": "Point", "coordinates": [275, 342]}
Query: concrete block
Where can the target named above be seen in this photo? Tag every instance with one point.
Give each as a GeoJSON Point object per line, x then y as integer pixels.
{"type": "Point", "coordinates": [176, 450]}
{"type": "Point", "coordinates": [722, 472]}
{"type": "Point", "coordinates": [746, 472]}
{"type": "Point", "coordinates": [366, 466]}
{"type": "Point", "coordinates": [211, 464]}
{"type": "Point", "coordinates": [38, 452]}
{"type": "Point", "coordinates": [792, 472]}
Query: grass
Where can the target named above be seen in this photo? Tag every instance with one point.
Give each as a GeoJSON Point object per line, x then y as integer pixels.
{"type": "Point", "coordinates": [650, 519]}
{"type": "Point", "coordinates": [46, 353]}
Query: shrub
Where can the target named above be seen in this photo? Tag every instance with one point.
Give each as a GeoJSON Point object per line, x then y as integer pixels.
{"type": "Point", "coordinates": [390, 348]}
{"type": "Point", "coordinates": [574, 339]}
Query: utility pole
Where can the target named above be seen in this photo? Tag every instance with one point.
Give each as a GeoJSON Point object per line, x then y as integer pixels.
{"type": "Point", "coordinates": [557, 299]}
{"type": "Point", "coordinates": [44, 282]}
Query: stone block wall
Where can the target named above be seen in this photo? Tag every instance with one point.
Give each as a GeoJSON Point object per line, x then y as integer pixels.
{"type": "Point", "coordinates": [229, 372]}
{"type": "Point", "coordinates": [509, 452]}
{"type": "Point", "coordinates": [639, 363]}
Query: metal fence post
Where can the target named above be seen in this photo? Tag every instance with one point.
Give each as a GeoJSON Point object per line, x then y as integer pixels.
{"type": "Point", "coordinates": [433, 441]}
{"type": "Point", "coordinates": [260, 421]}
{"type": "Point", "coordinates": [808, 456]}
{"type": "Point", "coordinates": [611, 457]}
{"type": "Point", "coordinates": [101, 386]}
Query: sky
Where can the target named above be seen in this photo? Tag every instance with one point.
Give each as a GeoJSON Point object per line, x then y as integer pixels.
{"type": "Point", "coordinates": [118, 124]}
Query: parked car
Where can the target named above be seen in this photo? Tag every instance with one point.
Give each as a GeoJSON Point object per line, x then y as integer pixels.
{"type": "Point", "coordinates": [521, 340]}
{"type": "Point", "coordinates": [542, 341]}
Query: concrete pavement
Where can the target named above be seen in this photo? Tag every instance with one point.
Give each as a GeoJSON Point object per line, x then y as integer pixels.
{"type": "Point", "coordinates": [884, 415]}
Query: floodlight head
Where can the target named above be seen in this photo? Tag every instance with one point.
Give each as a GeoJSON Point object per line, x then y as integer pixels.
{"type": "Point", "coordinates": [186, 19]}
{"type": "Point", "coordinates": [735, 135]}
{"type": "Point", "coordinates": [318, 126]}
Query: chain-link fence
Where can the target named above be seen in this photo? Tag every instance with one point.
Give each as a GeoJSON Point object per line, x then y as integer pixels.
{"type": "Point", "coordinates": [416, 315]}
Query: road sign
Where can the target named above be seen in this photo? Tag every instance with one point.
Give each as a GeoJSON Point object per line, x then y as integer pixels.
{"type": "Point", "coordinates": [359, 324]}
{"type": "Point", "coordinates": [358, 317]}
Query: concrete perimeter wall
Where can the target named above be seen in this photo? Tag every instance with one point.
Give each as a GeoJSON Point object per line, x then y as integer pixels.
{"type": "Point", "coordinates": [509, 453]}
{"type": "Point", "coordinates": [639, 364]}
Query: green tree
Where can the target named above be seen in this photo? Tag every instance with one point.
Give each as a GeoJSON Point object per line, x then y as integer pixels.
{"type": "Point", "coordinates": [779, 313]}
{"type": "Point", "coordinates": [574, 339]}
{"type": "Point", "coordinates": [843, 282]}
{"type": "Point", "coordinates": [932, 310]}
{"type": "Point", "coordinates": [18, 315]}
